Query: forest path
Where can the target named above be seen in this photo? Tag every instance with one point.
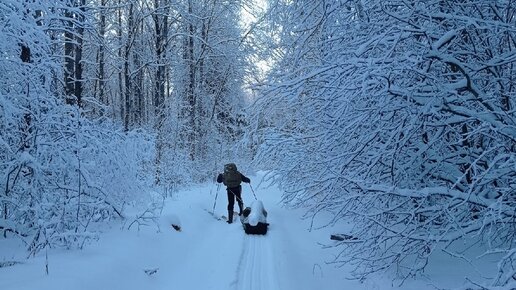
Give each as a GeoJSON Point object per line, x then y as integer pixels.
{"type": "Point", "coordinates": [206, 254]}
{"type": "Point", "coordinates": [224, 257]}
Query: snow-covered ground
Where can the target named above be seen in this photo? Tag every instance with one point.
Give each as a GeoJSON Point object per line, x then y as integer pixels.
{"type": "Point", "coordinates": [206, 254]}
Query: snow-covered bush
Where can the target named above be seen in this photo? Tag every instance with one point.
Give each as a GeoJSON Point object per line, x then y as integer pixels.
{"type": "Point", "coordinates": [73, 173]}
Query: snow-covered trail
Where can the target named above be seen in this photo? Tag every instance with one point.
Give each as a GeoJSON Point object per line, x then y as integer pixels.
{"type": "Point", "coordinates": [206, 254]}
{"type": "Point", "coordinates": [255, 270]}
{"type": "Point", "coordinates": [224, 257]}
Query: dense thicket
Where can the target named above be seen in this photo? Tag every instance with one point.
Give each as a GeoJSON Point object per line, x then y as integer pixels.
{"type": "Point", "coordinates": [398, 116]}
{"type": "Point", "coordinates": [60, 172]}
{"type": "Point", "coordinates": [101, 100]}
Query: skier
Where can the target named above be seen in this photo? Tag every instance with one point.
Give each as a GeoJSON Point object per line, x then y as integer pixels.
{"type": "Point", "coordinates": [232, 179]}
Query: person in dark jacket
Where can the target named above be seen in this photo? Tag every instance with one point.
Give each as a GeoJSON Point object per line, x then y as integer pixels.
{"type": "Point", "coordinates": [232, 179]}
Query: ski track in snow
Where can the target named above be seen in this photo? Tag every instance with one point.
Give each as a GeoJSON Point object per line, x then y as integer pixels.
{"type": "Point", "coordinates": [256, 269]}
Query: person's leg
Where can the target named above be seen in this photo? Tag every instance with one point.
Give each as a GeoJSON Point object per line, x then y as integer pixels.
{"type": "Point", "coordinates": [231, 205]}
{"type": "Point", "coordinates": [238, 194]}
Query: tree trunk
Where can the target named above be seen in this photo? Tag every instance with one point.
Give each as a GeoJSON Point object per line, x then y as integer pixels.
{"type": "Point", "coordinates": [161, 26]}
{"type": "Point", "coordinates": [78, 55]}
{"type": "Point", "coordinates": [101, 73]}
{"type": "Point", "coordinates": [127, 76]}
{"type": "Point", "coordinates": [120, 70]}
{"type": "Point", "coordinates": [69, 58]}
{"type": "Point", "coordinates": [191, 84]}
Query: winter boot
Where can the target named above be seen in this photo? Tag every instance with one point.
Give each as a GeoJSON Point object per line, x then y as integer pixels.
{"type": "Point", "coordinates": [230, 216]}
{"type": "Point", "coordinates": [240, 206]}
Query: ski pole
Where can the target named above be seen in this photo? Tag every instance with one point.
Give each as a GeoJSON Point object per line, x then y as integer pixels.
{"type": "Point", "coordinates": [211, 189]}
{"type": "Point", "coordinates": [216, 195]}
{"type": "Point", "coordinates": [252, 191]}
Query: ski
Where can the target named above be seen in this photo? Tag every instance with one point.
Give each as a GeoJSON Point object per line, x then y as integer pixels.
{"type": "Point", "coordinates": [214, 215]}
{"type": "Point", "coordinates": [222, 217]}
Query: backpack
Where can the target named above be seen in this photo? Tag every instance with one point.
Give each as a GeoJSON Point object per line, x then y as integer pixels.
{"type": "Point", "coordinates": [232, 178]}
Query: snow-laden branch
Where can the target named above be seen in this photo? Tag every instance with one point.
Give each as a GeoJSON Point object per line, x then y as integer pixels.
{"type": "Point", "coordinates": [397, 120]}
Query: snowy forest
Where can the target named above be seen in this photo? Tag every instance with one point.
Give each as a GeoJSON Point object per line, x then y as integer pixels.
{"type": "Point", "coordinates": [396, 118]}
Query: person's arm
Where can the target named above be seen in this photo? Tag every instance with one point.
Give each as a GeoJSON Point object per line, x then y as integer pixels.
{"type": "Point", "coordinates": [245, 179]}
{"type": "Point", "coordinates": [220, 178]}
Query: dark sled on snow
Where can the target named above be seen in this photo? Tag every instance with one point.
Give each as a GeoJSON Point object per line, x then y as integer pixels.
{"type": "Point", "coordinates": [254, 219]}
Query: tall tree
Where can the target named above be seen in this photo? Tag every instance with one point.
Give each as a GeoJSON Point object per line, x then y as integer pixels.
{"type": "Point", "coordinates": [101, 55]}
{"type": "Point", "coordinates": [73, 49]}
{"type": "Point", "coordinates": [128, 90]}
{"type": "Point", "coordinates": [161, 24]}
{"type": "Point", "coordinates": [69, 70]}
